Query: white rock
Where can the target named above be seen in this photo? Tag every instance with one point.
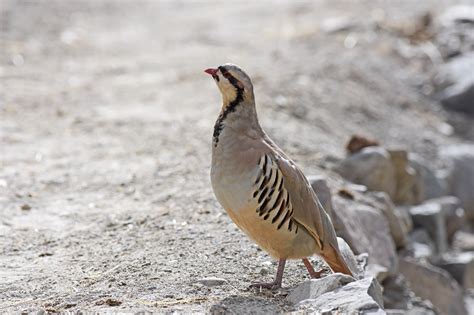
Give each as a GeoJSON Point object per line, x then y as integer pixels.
{"type": "Point", "coordinates": [313, 288]}
{"type": "Point", "coordinates": [359, 296]}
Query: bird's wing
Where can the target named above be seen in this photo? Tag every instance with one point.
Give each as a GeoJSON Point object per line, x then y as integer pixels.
{"type": "Point", "coordinates": [307, 210]}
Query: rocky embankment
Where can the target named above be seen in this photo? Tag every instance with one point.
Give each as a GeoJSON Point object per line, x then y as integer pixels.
{"type": "Point", "coordinates": [410, 226]}
{"type": "Point", "coordinates": [408, 221]}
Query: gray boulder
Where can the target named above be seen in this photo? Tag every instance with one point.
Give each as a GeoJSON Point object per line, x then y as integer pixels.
{"type": "Point", "coordinates": [463, 241]}
{"type": "Point", "coordinates": [361, 296]}
{"type": "Point", "coordinates": [421, 244]}
{"type": "Point", "coordinates": [453, 212]}
{"type": "Point", "coordinates": [434, 284]}
{"type": "Point", "coordinates": [433, 185]}
{"type": "Point", "coordinates": [372, 167]}
{"type": "Point", "coordinates": [321, 188]}
{"type": "Point", "coordinates": [460, 266]}
{"type": "Point", "coordinates": [366, 230]}
{"type": "Point", "coordinates": [398, 228]}
{"type": "Point", "coordinates": [430, 217]}
{"type": "Point", "coordinates": [457, 78]}
{"type": "Point", "coordinates": [461, 174]}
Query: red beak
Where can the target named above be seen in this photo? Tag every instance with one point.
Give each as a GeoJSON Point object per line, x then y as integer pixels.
{"type": "Point", "coordinates": [211, 71]}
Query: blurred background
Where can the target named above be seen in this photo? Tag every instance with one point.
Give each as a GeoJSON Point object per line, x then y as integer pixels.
{"type": "Point", "coordinates": [106, 121]}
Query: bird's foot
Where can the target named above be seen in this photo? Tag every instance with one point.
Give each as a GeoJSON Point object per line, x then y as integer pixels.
{"type": "Point", "coordinates": [267, 285]}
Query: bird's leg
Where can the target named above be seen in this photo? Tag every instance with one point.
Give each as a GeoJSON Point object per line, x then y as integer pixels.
{"type": "Point", "coordinates": [276, 284]}
{"type": "Point", "coordinates": [314, 274]}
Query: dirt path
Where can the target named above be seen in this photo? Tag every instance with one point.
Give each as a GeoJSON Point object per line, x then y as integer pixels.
{"type": "Point", "coordinates": [106, 123]}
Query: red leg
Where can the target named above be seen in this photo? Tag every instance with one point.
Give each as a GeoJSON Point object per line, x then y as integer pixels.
{"type": "Point", "coordinates": [314, 274]}
{"type": "Point", "coordinates": [276, 284]}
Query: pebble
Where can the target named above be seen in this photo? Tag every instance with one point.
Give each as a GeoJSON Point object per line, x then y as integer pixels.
{"type": "Point", "coordinates": [212, 281]}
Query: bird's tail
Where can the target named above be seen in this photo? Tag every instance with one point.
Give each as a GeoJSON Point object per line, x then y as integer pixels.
{"type": "Point", "coordinates": [334, 259]}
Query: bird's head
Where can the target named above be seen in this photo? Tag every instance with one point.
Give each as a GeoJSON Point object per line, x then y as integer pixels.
{"type": "Point", "coordinates": [235, 85]}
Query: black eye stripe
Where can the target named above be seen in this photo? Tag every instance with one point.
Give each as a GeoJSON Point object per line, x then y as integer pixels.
{"type": "Point", "coordinates": [229, 77]}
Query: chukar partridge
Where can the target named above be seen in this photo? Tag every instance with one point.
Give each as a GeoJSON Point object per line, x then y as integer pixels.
{"type": "Point", "coordinates": [262, 190]}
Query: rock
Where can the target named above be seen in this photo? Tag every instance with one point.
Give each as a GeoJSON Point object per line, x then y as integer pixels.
{"type": "Point", "coordinates": [321, 188]}
{"type": "Point", "coordinates": [349, 258]}
{"type": "Point", "coordinates": [433, 186]}
{"type": "Point", "coordinates": [409, 186]}
{"type": "Point", "coordinates": [461, 174]}
{"type": "Point", "coordinates": [435, 285]}
{"type": "Point", "coordinates": [212, 281]}
{"type": "Point", "coordinates": [458, 14]}
{"type": "Point", "coordinates": [336, 24]}
{"type": "Point", "coordinates": [366, 230]}
{"type": "Point", "coordinates": [371, 167]}
{"type": "Point", "coordinates": [361, 296]}
{"type": "Point", "coordinates": [460, 266]}
{"type": "Point", "coordinates": [398, 229]}
{"type": "Point", "coordinates": [313, 288]}
{"type": "Point", "coordinates": [463, 241]}
{"type": "Point", "coordinates": [403, 213]}
{"type": "Point", "coordinates": [430, 217]}
{"type": "Point", "coordinates": [421, 245]}
{"type": "Point", "coordinates": [459, 84]}
{"type": "Point", "coordinates": [396, 293]}
{"type": "Point", "coordinates": [454, 215]}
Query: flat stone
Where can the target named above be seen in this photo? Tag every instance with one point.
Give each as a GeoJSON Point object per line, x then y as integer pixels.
{"type": "Point", "coordinates": [313, 288]}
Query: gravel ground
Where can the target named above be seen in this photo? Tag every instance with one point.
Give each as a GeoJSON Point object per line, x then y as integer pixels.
{"type": "Point", "coordinates": [106, 123]}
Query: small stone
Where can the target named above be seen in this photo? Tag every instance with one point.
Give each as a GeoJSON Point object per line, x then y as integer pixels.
{"type": "Point", "coordinates": [212, 281]}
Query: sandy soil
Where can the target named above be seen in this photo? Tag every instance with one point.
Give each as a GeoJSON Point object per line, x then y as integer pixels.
{"type": "Point", "coordinates": [105, 133]}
